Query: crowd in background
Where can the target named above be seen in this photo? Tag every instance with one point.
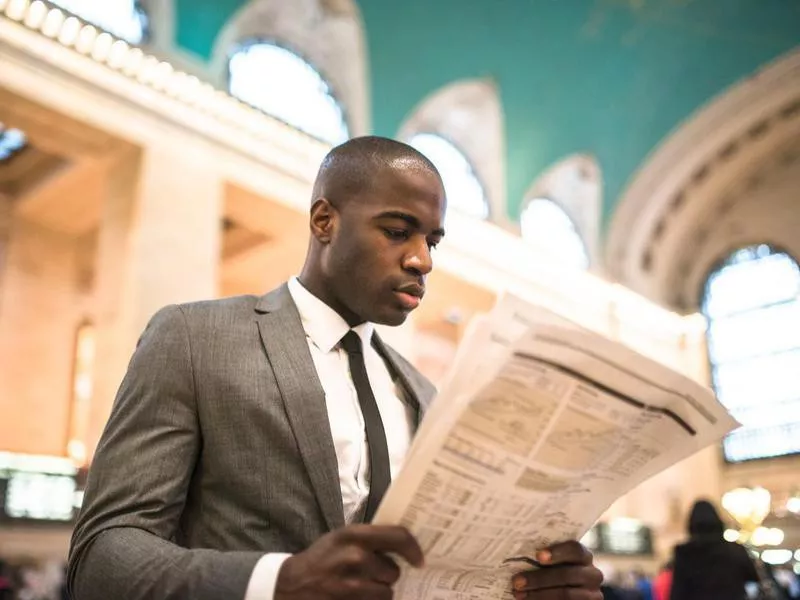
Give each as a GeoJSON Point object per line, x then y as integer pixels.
{"type": "Point", "coordinates": [706, 567]}
{"type": "Point", "coordinates": [32, 580]}
{"type": "Point", "coordinates": [637, 585]}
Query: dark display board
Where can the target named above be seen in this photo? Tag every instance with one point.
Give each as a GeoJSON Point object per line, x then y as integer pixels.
{"type": "Point", "coordinates": [624, 537]}
{"type": "Point", "coordinates": [38, 489]}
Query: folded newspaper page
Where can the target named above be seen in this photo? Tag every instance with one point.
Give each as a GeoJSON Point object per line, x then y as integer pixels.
{"type": "Point", "coordinates": [540, 427]}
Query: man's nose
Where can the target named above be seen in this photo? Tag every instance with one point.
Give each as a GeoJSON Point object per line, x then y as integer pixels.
{"type": "Point", "coordinates": [420, 260]}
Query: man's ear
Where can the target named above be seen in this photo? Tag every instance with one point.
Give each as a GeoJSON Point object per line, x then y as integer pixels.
{"type": "Point", "coordinates": [323, 219]}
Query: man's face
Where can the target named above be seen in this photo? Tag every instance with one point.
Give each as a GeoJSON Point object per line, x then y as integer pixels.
{"type": "Point", "coordinates": [381, 243]}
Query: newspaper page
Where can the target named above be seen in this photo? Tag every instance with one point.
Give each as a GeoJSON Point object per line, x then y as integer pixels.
{"type": "Point", "coordinates": [539, 428]}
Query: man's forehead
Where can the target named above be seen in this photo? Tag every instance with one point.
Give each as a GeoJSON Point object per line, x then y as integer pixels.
{"type": "Point", "coordinates": [407, 163]}
{"type": "Point", "coordinates": [412, 174]}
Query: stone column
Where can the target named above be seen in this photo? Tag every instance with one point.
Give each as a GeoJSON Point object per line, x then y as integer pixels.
{"type": "Point", "coordinates": [5, 235]}
{"type": "Point", "coordinates": [158, 244]}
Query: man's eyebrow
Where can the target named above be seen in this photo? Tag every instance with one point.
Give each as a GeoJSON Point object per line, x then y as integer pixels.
{"type": "Point", "coordinates": [410, 219]}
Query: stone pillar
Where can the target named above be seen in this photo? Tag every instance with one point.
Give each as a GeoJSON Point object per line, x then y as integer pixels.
{"type": "Point", "coordinates": [158, 244]}
{"type": "Point", "coordinates": [5, 235]}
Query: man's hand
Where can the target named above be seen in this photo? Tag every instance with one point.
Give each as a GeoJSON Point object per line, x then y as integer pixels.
{"type": "Point", "coordinates": [567, 573]}
{"type": "Point", "coordinates": [351, 562]}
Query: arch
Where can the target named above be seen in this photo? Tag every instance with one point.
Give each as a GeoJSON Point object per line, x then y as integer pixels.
{"type": "Point", "coordinates": [545, 223]}
{"type": "Point", "coordinates": [465, 192]}
{"type": "Point", "coordinates": [752, 302]}
{"type": "Point", "coordinates": [327, 34]}
{"type": "Point", "coordinates": [125, 19]}
{"type": "Point", "coordinates": [572, 186]}
{"type": "Point", "coordinates": [469, 115]}
{"type": "Point", "coordinates": [298, 95]}
{"type": "Point", "coordinates": [708, 186]}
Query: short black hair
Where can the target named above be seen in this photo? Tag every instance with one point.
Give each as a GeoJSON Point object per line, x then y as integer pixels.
{"type": "Point", "coordinates": [704, 520]}
{"type": "Point", "coordinates": [349, 168]}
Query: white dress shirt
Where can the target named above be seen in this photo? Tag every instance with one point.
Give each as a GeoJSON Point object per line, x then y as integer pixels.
{"type": "Point", "coordinates": [324, 329]}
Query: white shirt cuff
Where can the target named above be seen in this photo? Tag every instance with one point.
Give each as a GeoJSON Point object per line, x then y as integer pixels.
{"type": "Point", "coordinates": [265, 577]}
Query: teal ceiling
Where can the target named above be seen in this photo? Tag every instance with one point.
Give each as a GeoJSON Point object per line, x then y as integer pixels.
{"type": "Point", "coordinates": [607, 77]}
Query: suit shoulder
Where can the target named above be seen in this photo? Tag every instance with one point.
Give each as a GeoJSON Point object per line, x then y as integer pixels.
{"type": "Point", "coordinates": [220, 306]}
{"type": "Point", "coordinates": [204, 314]}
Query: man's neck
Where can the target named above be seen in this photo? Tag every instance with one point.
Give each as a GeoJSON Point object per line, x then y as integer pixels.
{"type": "Point", "coordinates": [321, 292]}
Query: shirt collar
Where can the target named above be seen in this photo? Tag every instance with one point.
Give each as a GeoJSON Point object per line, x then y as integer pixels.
{"type": "Point", "coordinates": [321, 323]}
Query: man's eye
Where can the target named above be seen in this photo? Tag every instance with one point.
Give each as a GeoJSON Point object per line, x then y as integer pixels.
{"type": "Point", "coordinates": [432, 245]}
{"type": "Point", "coordinates": [396, 234]}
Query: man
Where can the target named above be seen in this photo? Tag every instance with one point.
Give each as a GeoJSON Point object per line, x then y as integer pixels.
{"type": "Point", "coordinates": [246, 448]}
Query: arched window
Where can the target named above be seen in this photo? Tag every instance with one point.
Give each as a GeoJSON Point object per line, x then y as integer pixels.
{"type": "Point", "coordinates": [12, 141]}
{"type": "Point", "coordinates": [546, 224]}
{"type": "Point", "coordinates": [464, 192]}
{"type": "Point", "coordinates": [125, 19]}
{"type": "Point", "coordinates": [752, 302]}
{"type": "Point", "coordinates": [82, 392]}
{"type": "Point", "coordinates": [285, 86]}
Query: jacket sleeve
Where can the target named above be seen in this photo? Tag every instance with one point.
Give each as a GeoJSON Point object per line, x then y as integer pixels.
{"type": "Point", "coordinates": [122, 544]}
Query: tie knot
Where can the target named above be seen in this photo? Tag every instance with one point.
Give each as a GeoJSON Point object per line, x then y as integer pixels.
{"type": "Point", "coordinates": [351, 343]}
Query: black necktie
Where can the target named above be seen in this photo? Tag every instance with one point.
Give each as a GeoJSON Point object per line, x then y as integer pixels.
{"type": "Point", "coordinates": [379, 471]}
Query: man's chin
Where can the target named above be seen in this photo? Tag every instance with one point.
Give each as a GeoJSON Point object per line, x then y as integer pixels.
{"type": "Point", "coordinates": [393, 317]}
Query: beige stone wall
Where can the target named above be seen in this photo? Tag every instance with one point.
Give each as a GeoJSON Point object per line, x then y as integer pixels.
{"type": "Point", "coordinates": [41, 306]}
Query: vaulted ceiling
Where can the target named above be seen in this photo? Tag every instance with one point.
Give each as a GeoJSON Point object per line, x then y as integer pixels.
{"type": "Point", "coordinates": [608, 78]}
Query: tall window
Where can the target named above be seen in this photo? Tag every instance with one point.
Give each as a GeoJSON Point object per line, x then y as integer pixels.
{"type": "Point", "coordinates": [752, 302]}
{"type": "Point", "coordinates": [82, 390]}
{"type": "Point", "coordinates": [12, 141]}
{"type": "Point", "coordinates": [285, 86]}
{"type": "Point", "coordinates": [125, 19]}
{"type": "Point", "coordinates": [546, 224]}
{"type": "Point", "coordinates": [464, 192]}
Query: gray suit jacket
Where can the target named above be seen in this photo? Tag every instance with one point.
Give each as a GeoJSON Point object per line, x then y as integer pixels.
{"type": "Point", "coordinates": [218, 449]}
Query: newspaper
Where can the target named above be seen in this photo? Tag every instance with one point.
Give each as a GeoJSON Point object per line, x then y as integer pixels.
{"type": "Point", "coordinates": [539, 428]}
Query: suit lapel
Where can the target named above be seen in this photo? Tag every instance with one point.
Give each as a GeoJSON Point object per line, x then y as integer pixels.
{"type": "Point", "coordinates": [287, 351]}
{"type": "Point", "coordinates": [403, 373]}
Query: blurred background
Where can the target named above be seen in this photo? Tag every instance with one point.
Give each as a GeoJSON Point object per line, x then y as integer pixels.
{"type": "Point", "coordinates": [631, 164]}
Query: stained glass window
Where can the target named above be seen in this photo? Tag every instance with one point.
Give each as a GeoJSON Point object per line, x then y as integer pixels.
{"type": "Point", "coordinates": [285, 86]}
{"type": "Point", "coordinates": [752, 302]}
{"type": "Point", "coordinates": [125, 19]}
{"type": "Point", "coordinates": [12, 141]}
{"type": "Point", "coordinates": [546, 224]}
{"type": "Point", "coordinates": [464, 192]}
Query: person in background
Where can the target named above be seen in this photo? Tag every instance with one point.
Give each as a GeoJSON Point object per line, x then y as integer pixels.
{"type": "Point", "coordinates": [642, 584]}
{"type": "Point", "coordinates": [789, 581]}
{"type": "Point", "coordinates": [6, 589]}
{"type": "Point", "coordinates": [708, 567]}
{"type": "Point", "coordinates": [663, 582]}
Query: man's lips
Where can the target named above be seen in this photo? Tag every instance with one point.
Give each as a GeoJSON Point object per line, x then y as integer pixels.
{"type": "Point", "coordinates": [410, 295]}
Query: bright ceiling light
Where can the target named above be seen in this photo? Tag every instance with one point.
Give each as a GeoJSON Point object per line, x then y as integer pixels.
{"type": "Point", "coordinates": [52, 23]}
{"type": "Point", "coordinates": [36, 15]}
{"type": "Point", "coordinates": [86, 39]}
{"type": "Point", "coordinates": [102, 46]}
{"type": "Point", "coordinates": [69, 31]}
{"type": "Point", "coordinates": [731, 535]}
{"type": "Point", "coordinates": [16, 9]}
{"type": "Point", "coordinates": [776, 556]}
{"type": "Point", "coordinates": [117, 54]}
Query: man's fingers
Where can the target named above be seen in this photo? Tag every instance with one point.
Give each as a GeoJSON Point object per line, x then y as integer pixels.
{"type": "Point", "coordinates": [378, 567]}
{"type": "Point", "coordinates": [558, 577]}
{"type": "Point", "coordinates": [360, 589]}
{"type": "Point", "coordinates": [560, 594]}
{"type": "Point", "coordinates": [565, 553]}
{"type": "Point", "coordinates": [388, 539]}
